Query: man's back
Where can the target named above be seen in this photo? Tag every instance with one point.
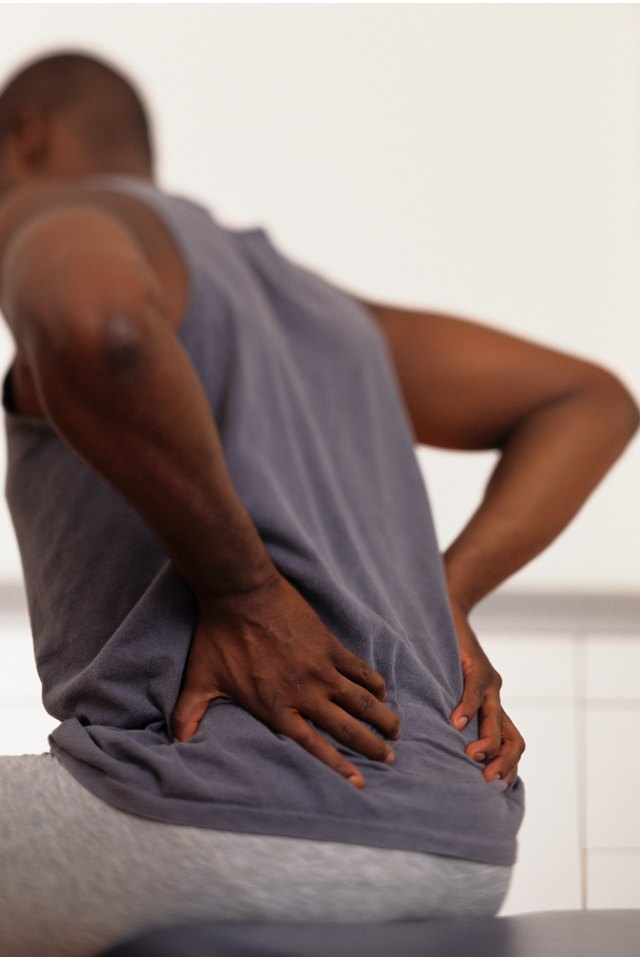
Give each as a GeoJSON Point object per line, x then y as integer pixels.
{"type": "Point", "coordinates": [320, 452]}
{"type": "Point", "coordinates": [224, 533]}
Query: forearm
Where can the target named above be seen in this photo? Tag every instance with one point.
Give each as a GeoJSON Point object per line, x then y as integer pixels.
{"type": "Point", "coordinates": [129, 402]}
{"type": "Point", "coordinates": [550, 462]}
{"type": "Point", "coordinates": [93, 331]}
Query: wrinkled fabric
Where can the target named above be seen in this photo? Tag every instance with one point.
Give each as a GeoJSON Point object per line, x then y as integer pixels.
{"type": "Point", "coordinates": [320, 450]}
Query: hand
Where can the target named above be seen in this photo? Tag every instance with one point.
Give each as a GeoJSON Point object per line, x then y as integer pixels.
{"type": "Point", "coordinates": [268, 651]}
{"type": "Point", "coordinates": [500, 742]}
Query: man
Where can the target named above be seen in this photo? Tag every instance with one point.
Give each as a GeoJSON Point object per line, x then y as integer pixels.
{"type": "Point", "coordinates": [239, 610]}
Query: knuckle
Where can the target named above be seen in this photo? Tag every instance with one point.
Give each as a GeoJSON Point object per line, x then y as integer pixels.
{"type": "Point", "coordinates": [298, 684]}
{"type": "Point", "coordinates": [366, 702]}
{"type": "Point", "coordinates": [337, 689]}
{"type": "Point", "coordinates": [306, 740]}
{"type": "Point", "coordinates": [370, 677]}
{"type": "Point", "coordinates": [365, 671]}
{"type": "Point", "coordinates": [346, 734]}
{"type": "Point", "coordinates": [266, 692]}
{"type": "Point", "coordinates": [269, 703]}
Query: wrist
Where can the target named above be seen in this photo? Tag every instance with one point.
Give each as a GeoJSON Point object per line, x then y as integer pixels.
{"type": "Point", "coordinates": [259, 587]}
{"type": "Point", "coordinates": [461, 597]}
{"type": "Point", "coordinates": [469, 576]}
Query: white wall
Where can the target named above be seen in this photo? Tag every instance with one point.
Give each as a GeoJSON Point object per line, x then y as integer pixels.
{"type": "Point", "coordinates": [479, 159]}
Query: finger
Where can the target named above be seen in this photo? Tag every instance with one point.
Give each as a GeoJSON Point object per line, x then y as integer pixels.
{"type": "Point", "coordinates": [505, 764]}
{"type": "Point", "coordinates": [189, 710]}
{"type": "Point", "coordinates": [490, 731]}
{"type": "Point", "coordinates": [473, 694]}
{"type": "Point", "coordinates": [364, 706]}
{"type": "Point", "coordinates": [500, 769]}
{"type": "Point", "coordinates": [297, 728]}
{"type": "Point", "coordinates": [350, 732]}
{"type": "Point", "coordinates": [355, 668]}
{"type": "Point", "coordinates": [510, 776]}
{"type": "Point", "coordinates": [507, 778]}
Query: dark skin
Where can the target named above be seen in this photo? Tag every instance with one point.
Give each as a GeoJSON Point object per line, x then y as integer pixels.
{"type": "Point", "coordinates": [94, 290]}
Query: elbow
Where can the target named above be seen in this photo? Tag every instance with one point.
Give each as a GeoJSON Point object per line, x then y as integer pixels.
{"type": "Point", "coordinates": [113, 348]}
{"type": "Point", "coordinates": [125, 344]}
{"type": "Point", "coordinates": [615, 403]}
{"type": "Point", "coordinates": [111, 343]}
{"type": "Point", "coordinates": [632, 415]}
{"type": "Point", "coordinates": [95, 364]}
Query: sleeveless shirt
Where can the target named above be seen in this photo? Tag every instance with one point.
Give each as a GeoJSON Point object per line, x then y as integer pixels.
{"type": "Point", "coordinates": [320, 451]}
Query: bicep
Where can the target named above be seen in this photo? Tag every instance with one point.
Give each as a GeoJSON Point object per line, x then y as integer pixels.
{"type": "Point", "coordinates": [466, 385]}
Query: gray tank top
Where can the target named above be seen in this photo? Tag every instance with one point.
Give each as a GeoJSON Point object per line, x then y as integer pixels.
{"type": "Point", "coordinates": [321, 453]}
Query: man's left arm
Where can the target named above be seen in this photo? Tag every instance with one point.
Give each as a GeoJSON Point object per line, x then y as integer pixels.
{"type": "Point", "coordinates": [558, 422]}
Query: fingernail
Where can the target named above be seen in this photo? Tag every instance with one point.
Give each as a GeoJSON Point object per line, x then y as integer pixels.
{"type": "Point", "coordinates": [355, 780]}
{"type": "Point", "coordinates": [461, 722]}
{"type": "Point", "coordinates": [497, 776]}
{"type": "Point", "coordinates": [480, 757]}
{"type": "Point", "coordinates": [390, 757]}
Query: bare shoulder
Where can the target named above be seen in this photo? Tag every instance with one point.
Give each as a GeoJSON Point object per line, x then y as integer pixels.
{"type": "Point", "coordinates": [91, 241]}
{"type": "Point", "coordinates": [80, 212]}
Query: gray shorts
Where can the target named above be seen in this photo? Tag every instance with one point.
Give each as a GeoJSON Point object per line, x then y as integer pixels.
{"type": "Point", "coordinates": [78, 875]}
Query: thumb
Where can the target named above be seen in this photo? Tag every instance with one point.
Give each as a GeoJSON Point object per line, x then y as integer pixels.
{"type": "Point", "coordinates": [472, 698]}
{"type": "Point", "coordinates": [189, 710]}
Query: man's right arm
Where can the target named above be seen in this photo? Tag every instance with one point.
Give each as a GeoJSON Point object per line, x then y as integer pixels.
{"type": "Point", "coordinates": [109, 372]}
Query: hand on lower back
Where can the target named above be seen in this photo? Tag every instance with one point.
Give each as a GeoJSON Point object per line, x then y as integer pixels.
{"type": "Point", "coordinates": [499, 745]}
{"type": "Point", "coordinates": [269, 651]}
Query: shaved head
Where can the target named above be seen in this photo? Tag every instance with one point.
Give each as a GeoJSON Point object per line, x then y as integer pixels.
{"type": "Point", "coordinates": [106, 110]}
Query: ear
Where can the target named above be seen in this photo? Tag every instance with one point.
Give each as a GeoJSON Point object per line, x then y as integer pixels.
{"type": "Point", "coordinates": [30, 137]}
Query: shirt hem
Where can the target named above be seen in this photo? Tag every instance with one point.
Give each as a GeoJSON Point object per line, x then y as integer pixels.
{"type": "Point", "coordinates": [290, 823]}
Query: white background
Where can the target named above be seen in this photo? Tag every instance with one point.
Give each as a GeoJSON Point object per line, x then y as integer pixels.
{"type": "Point", "coordinates": [482, 160]}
